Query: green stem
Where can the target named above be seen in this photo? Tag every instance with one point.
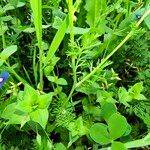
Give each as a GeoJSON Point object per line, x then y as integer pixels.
{"type": "Point", "coordinates": [15, 74]}
{"type": "Point", "coordinates": [41, 66]}
{"type": "Point", "coordinates": [3, 36]}
{"type": "Point", "coordinates": [116, 49]}
{"type": "Point", "coordinates": [73, 61]}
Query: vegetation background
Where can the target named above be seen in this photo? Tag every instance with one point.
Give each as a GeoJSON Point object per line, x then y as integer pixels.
{"type": "Point", "coordinates": [75, 74]}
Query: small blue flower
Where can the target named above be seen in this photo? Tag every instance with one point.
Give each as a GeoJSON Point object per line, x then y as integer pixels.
{"type": "Point", "coordinates": [3, 78]}
{"type": "Point", "coordinates": [138, 16]}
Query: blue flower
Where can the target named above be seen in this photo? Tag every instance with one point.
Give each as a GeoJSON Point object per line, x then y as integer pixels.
{"type": "Point", "coordinates": [138, 16]}
{"type": "Point", "coordinates": [3, 78]}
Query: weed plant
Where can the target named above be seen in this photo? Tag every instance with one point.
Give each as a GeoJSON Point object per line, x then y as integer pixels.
{"type": "Point", "coordinates": [74, 74]}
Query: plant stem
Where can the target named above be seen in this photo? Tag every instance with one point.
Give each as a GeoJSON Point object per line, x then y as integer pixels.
{"type": "Point", "coordinates": [73, 57]}
{"type": "Point", "coordinates": [116, 49]}
{"type": "Point", "coordinates": [15, 74]}
{"type": "Point", "coordinates": [3, 36]}
{"type": "Point", "coordinates": [40, 45]}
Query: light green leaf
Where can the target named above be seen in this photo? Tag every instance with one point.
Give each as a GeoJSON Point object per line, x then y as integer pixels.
{"type": "Point", "coordinates": [61, 81]}
{"type": "Point", "coordinates": [10, 114]}
{"type": "Point", "coordinates": [51, 78]}
{"type": "Point", "coordinates": [118, 146]}
{"type": "Point", "coordinates": [56, 41]}
{"type": "Point", "coordinates": [36, 6]}
{"type": "Point", "coordinates": [8, 111]}
{"type": "Point", "coordinates": [44, 100]}
{"type": "Point", "coordinates": [95, 19]}
{"type": "Point", "coordinates": [108, 109]}
{"type": "Point", "coordinates": [8, 7]}
{"type": "Point", "coordinates": [135, 91]}
{"type": "Point", "coordinates": [117, 126]}
{"type": "Point", "coordinates": [29, 30]}
{"type": "Point", "coordinates": [20, 4]}
{"type": "Point", "coordinates": [60, 146]}
{"type": "Point", "coordinates": [6, 18]}
{"type": "Point", "coordinates": [38, 139]}
{"type": "Point", "coordinates": [124, 96]}
{"type": "Point", "coordinates": [99, 133]}
{"type": "Point", "coordinates": [40, 116]}
{"type": "Point", "coordinates": [8, 51]}
{"type": "Point", "coordinates": [30, 96]}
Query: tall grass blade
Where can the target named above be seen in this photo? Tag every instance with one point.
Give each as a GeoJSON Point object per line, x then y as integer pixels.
{"type": "Point", "coordinates": [36, 6]}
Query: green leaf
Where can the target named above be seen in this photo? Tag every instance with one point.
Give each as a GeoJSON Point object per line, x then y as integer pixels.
{"type": "Point", "coordinates": [44, 100]}
{"type": "Point", "coordinates": [20, 4]}
{"type": "Point", "coordinates": [6, 18]}
{"type": "Point", "coordinates": [117, 126]}
{"type": "Point", "coordinates": [56, 41]}
{"type": "Point", "coordinates": [61, 81]}
{"type": "Point", "coordinates": [51, 78]}
{"type": "Point", "coordinates": [7, 52]}
{"type": "Point", "coordinates": [10, 114]}
{"type": "Point", "coordinates": [99, 133]}
{"type": "Point", "coordinates": [29, 30]}
{"type": "Point", "coordinates": [40, 116]}
{"type": "Point", "coordinates": [38, 139]}
{"type": "Point", "coordinates": [77, 30]}
{"type": "Point", "coordinates": [29, 98]}
{"type": "Point", "coordinates": [36, 6]}
{"type": "Point", "coordinates": [59, 146]}
{"type": "Point", "coordinates": [95, 9]}
{"type": "Point", "coordinates": [77, 128]}
{"type": "Point", "coordinates": [118, 146]}
{"type": "Point", "coordinates": [108, 109]}
{"type": "Point", "coordinates": [8, 111]}
{"type": "Point", "coordinates": [135, 91]}
{"type": "Point", "coordinates": [8, 7]}
{"type": "Point", "coordinates": [124, 96]}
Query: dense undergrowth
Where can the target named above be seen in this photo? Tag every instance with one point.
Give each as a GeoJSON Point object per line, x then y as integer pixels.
{"type": "Point", "coordinates": [74, 74]}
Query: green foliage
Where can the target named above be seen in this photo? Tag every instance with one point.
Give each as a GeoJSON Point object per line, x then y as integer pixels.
{"type": "Point", "coordinates": [103, 134]}
{"type": "Point", "coordinates": [78, 74]}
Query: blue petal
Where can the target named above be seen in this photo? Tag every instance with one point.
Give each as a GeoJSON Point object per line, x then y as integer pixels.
{"type": "Point", "coordinates": [5, 76]}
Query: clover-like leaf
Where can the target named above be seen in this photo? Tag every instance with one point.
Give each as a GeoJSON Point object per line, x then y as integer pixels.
{"type": "Point", "coordinates": [117, 126]}
{"type": "Point", "coordinates": [99, 133]}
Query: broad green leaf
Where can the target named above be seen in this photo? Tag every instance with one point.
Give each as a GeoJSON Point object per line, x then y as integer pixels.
{"type": "Point", "coordinates": [104, 96]}
{"type": "Point", "coordinates": [8, 51]}
{"type": "Point", "coordinates": [95, 14]}
{"type": "Point", "coordinates": [20, 4]}
{"type": "Point", "coordinates": [40, 116]}
{"type": "Point", "coordinates": [44, 100]}
{"type": "Point", "coordinates": [107, 110]}
{"type": "Point", "coordinates": [51, 78]}
{"type": "Point", "coordinates": [61, 81]}
{"type": "Point", "coordinates": [8, 111]}
{"type": "Point", "coordinates": [124, 96]}
{"type": "Point", "coordinates": [60, 146]}
{"type": "Point", "coordinates": [135, 91]}
{"type": "Point", "coordinates": [10, 114]}
{"type": "Point", "coordinates": [30, 97]}
{"type": "Point", "coordinates": [6, 18]}
{"type": "Point", "coordinates": [117, 126]}
{"type": "Point", "coordinates": [8, 7]}
{"type": "Point", "coordinates": [99, 133]}
{"type": "Point", "coordinates": [118, 146]}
